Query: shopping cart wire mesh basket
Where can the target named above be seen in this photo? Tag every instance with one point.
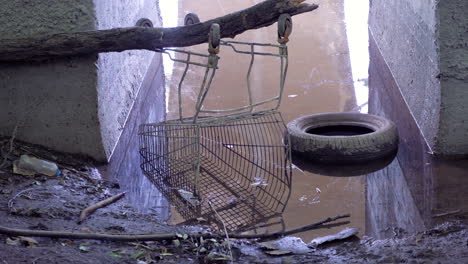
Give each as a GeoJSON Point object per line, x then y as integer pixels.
{"type": "Point", "coordinates": [231, 161]}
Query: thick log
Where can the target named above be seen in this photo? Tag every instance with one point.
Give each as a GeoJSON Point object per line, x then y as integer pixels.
{"type": "Point", "coordinates": [138, 38]}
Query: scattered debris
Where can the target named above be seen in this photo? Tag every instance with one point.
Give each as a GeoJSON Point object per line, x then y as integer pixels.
{"type": "Point", "coordinates": [259, 181]}
{"type": "Point", "coordinates": [18, 241]}
{"type": "Point", "coordinates": [189, 197]}
{"type": "Point", "coordinates": [343, 234]}
{"type": "Point", "coordinates": [290, 243]}
{"type": "Point", "coordinates": [84, 247]}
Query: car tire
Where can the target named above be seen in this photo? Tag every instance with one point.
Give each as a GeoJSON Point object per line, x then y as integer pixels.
{"type": "Point", "coordinates": [343, 137]}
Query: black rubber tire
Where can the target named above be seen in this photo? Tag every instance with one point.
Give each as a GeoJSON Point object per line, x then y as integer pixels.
{"type": "Point", "coordinates": [144, 22]}
{"type": "Point", "coordinates": [191, 19]}
{"type": "Point", "coordinates": [214, 37]}
{"type": "Point", "coordinates": [380, 143]}
{"type": "Point", "coordinates": [284, 26]}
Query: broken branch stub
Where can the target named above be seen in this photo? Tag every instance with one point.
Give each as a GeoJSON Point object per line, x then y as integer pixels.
{"type": "Point", "coordinates": [142, 38]}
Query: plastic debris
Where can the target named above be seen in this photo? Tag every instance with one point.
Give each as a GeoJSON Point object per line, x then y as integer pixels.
{"type": "Point", "coordinates": [290, 243]}
{"type": "Point", "coordinates": [343, 234]}
{"type": "Point", "coordinates": [189, 197]}
{"type": "Point", "coordinates": [28, 166]}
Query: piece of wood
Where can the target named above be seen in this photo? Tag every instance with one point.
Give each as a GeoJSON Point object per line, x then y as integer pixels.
{"type": "Point", "coordinates": [91, 209]}
{"type": "Point", "coordinates": [141, 38]}
{"type": "Point", "coordinates": [167, 236]}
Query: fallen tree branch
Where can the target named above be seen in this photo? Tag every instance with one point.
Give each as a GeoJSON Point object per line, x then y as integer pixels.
{"type": "Point", "coordinates": [167, 236]}
{"type": "Point", "coordinates": [137, 38]}
{"type": "Point", "coordinates": [91, 209]}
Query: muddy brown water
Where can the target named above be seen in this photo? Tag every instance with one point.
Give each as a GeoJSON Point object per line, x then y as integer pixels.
{"type": "Point", "coordinates": [323, 76]}
{"type": "Point", "coordinates": [319, 80]}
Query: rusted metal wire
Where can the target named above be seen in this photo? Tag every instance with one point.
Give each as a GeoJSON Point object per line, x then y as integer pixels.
{"type": "Point", "coordinates": [234, 158]}
{"type": "Point", "coordinates": [241, 165]}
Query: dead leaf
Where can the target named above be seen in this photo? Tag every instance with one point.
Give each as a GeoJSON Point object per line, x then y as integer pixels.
{"type": "Point", "coordinates": [13, 242]}
{"type": "Point", "coordinates": [138, 254]}
{"type": "Point", "coordinates": [176, 243]}
{"type": "Point", "coordinates": [86, 230]}
{"type": "Point", "coordinates": [115, 255]}
{"type": "Point", "coordinates": [217, 257]}
{"type": "Point", "coordinates": [28, 241]}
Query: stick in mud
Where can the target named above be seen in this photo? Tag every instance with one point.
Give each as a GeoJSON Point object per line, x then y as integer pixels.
{"type": "Point", "coordinates": [91, 209]}
{"type": "Point", "coordinates": [168, 236]}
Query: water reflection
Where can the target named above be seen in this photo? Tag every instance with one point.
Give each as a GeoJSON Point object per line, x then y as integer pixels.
{"type": "Point", "coordinates": [342, 170]}
{"type": "Point", "coordinates": [418, 190]}
{"type": "Point", "coordinates": [356, 13]}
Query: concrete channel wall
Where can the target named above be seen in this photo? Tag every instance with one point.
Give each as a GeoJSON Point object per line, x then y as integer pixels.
{"type": "Point", "coordinates": [77, 105]}
{"type": "Point", "coordinates": [453, 58]}
{"type": "Point", "coordinates": [424, 45]}
{"type": "Point", "coordinates": [405, 32]}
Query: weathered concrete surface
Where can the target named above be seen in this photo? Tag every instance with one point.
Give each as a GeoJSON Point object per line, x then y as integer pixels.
{"type": "Point", "coordinates": [55, 103]}
{"type": "Point", "coordinates": [120, 74]}
{"type": "Point", "coordinates": [453, 44]}
{"type": "Point", "coordinates": [417, 190]}
{"type": "Point", "coordinates": [75, 105]}
{"type": "Point", "coordinates": [424, 44]}
{"type": "Point", "coordinates": [405, 32]}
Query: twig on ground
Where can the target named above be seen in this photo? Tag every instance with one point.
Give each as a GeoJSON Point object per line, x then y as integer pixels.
{"type": "Point", "coordinates": [166, 236]}
{"type": "Point", "coordinates": [313, 226]}
{"type": "Point", "coordinates": [225, 230]}
{"type": "Point", "coordinates": [91, 209]}
{"type": "Point", "coordinates": [10, 149]}
{"type": "Point", "coordinates": [11, 201]}
{"type": "Point", "coordinates": [447, 213]}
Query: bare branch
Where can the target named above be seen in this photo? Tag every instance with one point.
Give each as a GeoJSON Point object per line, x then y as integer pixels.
{"type": "Point", "coordinates": [140, 38]}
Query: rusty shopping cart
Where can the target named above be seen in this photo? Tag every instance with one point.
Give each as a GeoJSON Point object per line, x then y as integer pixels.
{"type": "Point", "coordinates": [233, 162]}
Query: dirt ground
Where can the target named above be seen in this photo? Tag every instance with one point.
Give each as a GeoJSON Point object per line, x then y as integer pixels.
{"type": "Point", "coordinates": [54, 203]}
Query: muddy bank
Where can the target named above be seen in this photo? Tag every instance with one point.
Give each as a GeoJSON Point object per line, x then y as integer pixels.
{"type": "Point", "coordinates": [55, 203]}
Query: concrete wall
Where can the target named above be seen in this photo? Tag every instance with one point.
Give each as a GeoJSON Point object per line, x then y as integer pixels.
{"type": "Point", "coordinates": [453, 46]}
{"type": "Point", "coordinates": [424, 44]}
{"type": "Point", "coordinates": [405, 32]}
{"type": "Point", "coordinates": [120, 74]}
{"type": "Point", "coordinates": [75, 105]}
{"type": "Point", "coordinates": [54, 102]}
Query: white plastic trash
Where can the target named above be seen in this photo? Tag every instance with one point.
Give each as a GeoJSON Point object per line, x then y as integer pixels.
{"type": "Point", "coordinates": [36, 165]}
